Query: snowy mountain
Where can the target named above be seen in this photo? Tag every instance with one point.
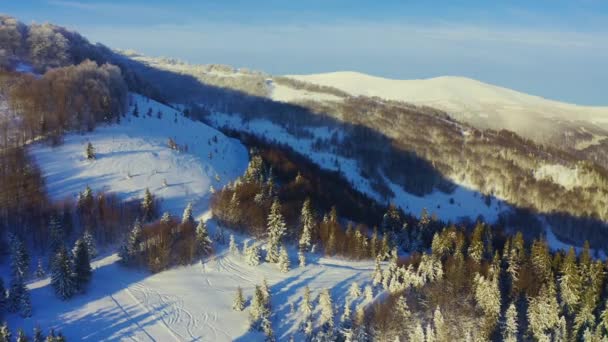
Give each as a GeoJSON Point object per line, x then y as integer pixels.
{"type": "Point", "coordinates": [481, 104]}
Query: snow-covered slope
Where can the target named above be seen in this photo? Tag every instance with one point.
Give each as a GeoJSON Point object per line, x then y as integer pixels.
{"type": "Point", "coordinates": [134, 155]}
{"type": "Point", "coordinates": [191, 303]}
{"type": "Point", "coordinates": [477, 103]}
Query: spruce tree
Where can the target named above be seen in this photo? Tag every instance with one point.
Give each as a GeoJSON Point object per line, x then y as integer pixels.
{"type": "Point", "coordinates": [239, 300]}
{"type": "Point", "coordinates": [82, 265]}
{"type": "Point", "coordinates": [62, 278]}
{"type": "Point", "coordinates": [301, 259]}
{"type": "Point", "coordinates": [203, 242]}
{"type": "Point", "coordinates": [276, 230]}
{"type": "Point", "coordinates": [441, 329]}
{"type": "Point", "coordinates": [25, 302]}
{"type": "Point", "coordinates": [89, 241]}
{"type": "Point", "coordinates": [187, 216]}
{"type": "Point", "coordinates": [253, 255]}
{"type": "Point", "coordinates": [40, 273]}
{"type": "Point", "coordinates": [258, 309]}
{"type": "Point", "coordinates": [232, 247]}
{"type": "Point", "coordinates": [570, 282]}
{"type": "Point", "coordinates": [2, 296]}
{"type": "Point", "coordinates": [21, 337]}
{"type": "Point", "coordinates": [327, 309]}
{"type": "Point", "coordinates": [283, 261]}
{"type": "Point", "coordinates": [354, 291]}
{"type": "Point", "coordinates": [509, 330]}
{"type": "Point", "coordinates": [306, 303]}
{"type": "Point", "coordinates": [307, 221]}
{"type": "Point", "coordinates": [147, 206]}
{"type": "Point", "coordinates": [56, 237]}
{"type": "Point", "coordinates": [90, 151]}
{"type": "Point", "coordinates": [129, 250]}
{"type": "Point", "coordinates": [38, 336]}
{"type": "Point", "coordinates": [5, 333]}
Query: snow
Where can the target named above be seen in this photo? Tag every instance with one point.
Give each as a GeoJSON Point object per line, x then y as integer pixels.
{"type": "Point", "coordinates": [190, 303]}
{"type": "Point", "coordinates": [467, 203]}
{"type": "Point", "coordinates": [459, 96]}
{"type": "Point", "coordinates": [569, 178]}
{"type": "Point", "coordinates": [134, 155]}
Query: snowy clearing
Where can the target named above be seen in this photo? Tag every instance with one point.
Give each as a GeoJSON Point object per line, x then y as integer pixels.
{"type": "Point", "coordinates": [134, 155]}
{"type": "Point", "coordinates": [192, 303]}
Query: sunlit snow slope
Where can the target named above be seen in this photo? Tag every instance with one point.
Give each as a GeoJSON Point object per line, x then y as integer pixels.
{"type": "Point", "coordinates": [135, 155]}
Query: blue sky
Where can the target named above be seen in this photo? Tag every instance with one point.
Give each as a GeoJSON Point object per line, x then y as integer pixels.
{"type": "Point", "coordinates": [552, 48]}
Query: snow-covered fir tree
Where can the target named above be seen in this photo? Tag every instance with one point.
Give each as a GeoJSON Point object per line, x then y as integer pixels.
{"type": "Point", "coordinates": [283, 261]}
{"type": "Point", "coordinates": [147, 206]}
{"type": "Point", "coordinates": [187, 215]}
{"type": "Point", "coordinates": [20, 259]}
{"type": "Point", "coordinates": [276, 230]}
{"type": "Point", "coordinates": [5, 332]}
{"type": "Point", "coordinates": [430, 333]}
{"type": "Point", "coordinates": [570, 282]}
{"type": "Point", "coordinates": [377, 275]}
{"type": "Point", "coordinates": [61, 278]}
{"type": "Point", "coordinates": [89, 241]}
{"type": "Point", "coordinates": [327, 309]}
{"type": "Point", "coordinates": [258, 309]}
{"type": "Point", "coordinates": [38, 336]}
{"type": "Point", "coordinates": [165, 218]}
{"type": "Point", "coordinates": [301, 259]}
{"type": "Point", "coordinates": [354, 291]}
{"type": "Point", "coordinates": [82, 265]}
{"type": "Point", "coordinates": [21, 337]}
{"type": "Point", "coordinates": [441, 329]}
{"type": "Point", "coordinates": [509, 329]}
{"type": "Point", "coordinates": [266, 292]}
{"type": "Point", "coordinates": [203, 241]}
{"type": "Point", "coordinates": [267, 329]}
{"type": "Point", "coordinates": [306, 303]}
{"type": "Point", "coordinates": [487, 295]}
{"type": "Point", "coordinates": [252, 255]}
{"type": "Point", "coordinates": [19, 297]}
{"type": "Point", "coordinates": [369, 293]}
{"type": "Point", "coordinates": [239, 300]}
{"type": "Point", "coordinates": [543, 313]}
{"type": "Point", "coordinates": [131, 247]}
{"type": "Point", "coordinates": [90, 151]}
{"type": "Point", "coordinates": [232, 247]}
{"type": "Point", "coordinates": [308, 224]}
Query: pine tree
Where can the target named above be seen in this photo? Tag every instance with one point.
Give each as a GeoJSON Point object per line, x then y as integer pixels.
{"type": "Point", "coordinates": [147, 206]}
{"type": "Point", "coordinates": [509, 330]}
{"type": "Point", "coordinates": [40, 273]}
{"type": "Point", "coordinates": [2, 296]}
{"type": "Point", "coordinates": [476, 248]}
{"type": "Point", "coordinates": [283, 261]}
{"type": "Point", "coordinates": [430, 333]}
{"type": "Point", "coordinates": [267, 329]}
{"type": "Point", "coordinates": [377, 275]}
{"type": "Point", "coordinates": [130, 249]}
{"type": "Point", "coordinates": [354, 291]}
{"type": "Point", "coordinates": [38, 336]}
{"type": "Point", "coordinates": [417, 334]}
{"type": "Point", "coordinates": [276, 230]}
{"type": "Point", "coordinates": [20, 260]}
{"type": "Point", "coordinates": [239, 300]}
{"type": "Point", "coordinates": [301, 259]}
{"type": "Point", "coordinates": [266, 292]}
{"type": "Point", "coordinates": [307, 221]}
{"type": "Point", "coordinates": [25, 302]}
{"type": "Point", "coordinates": [56, 237]}
{"type": "Point", "coordinates": [253, 255]}
{"type": "Point", "coordinates": [369, 293]}
{"type": "Point", "coordinates": [21, 336]}
{"type": "Point", "coordinates": [82, 265]}
{"type": "Point", "coordinates": [258, 308]}
{"type": "Point", "coordinates": [187, 215]}
{"type": "Point", "coordinates": [234, 250]}
{"type": "Point", "coordinates": [203, 242]}
{"type": "Point", "coordinates": [570, 282]}
{"type": "Point", "coordinates": [327, 309]}
{"type": "Point", "coordinates": [441, 329]}
{"type": "Point", "coordinates": [62, 279]}
{"type": "Point", "coordinates": [90, 151]}
{"type": "Point", "coordinates": [306, 303]}
{"type": "Point", "coordinates": [543, 313]}
{"type": "Point", "coordinates": [89, 241]}
{"type": "Point", "coordinates": [5, 333]}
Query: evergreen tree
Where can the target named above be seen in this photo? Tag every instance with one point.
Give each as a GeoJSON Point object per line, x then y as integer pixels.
{"type": "Point", "coordinates": [301, 259]}
{"type": "Point", "coordinates": [369, 293]}
{"type": "Point", "coordinates": [308, 224]}
{"type": "Point", "coordinates": [417, 334]}
{"type": "Point", "coordinates": [82, 265]}
{"type": "Point", "coordinates": [570, 282]}
{"type": "Point", "coordinates": [62, 278]}
{"type": "Point", "coordinates": [267, 329]}
{"type": "Point", "coordinates": [354, 291]}
{"type": "Point", "coordinates": [40, 273]}
{"type": "Point", "coordinates": [38, 336]}
{"type": "Point", "coordinates": [327, 309]}
{"type": "Point", "coordinates": [234, 250]}
{"type": "Point", "coordinates": [239, 300]}
{"type": "Point", "coordinates": [5, 333]}
{"type": "Point", "coordinates": [258, 308]}
{"type": "Point", "coordinates": [130, 249]}
{"type": "Point", "coordinates": [21, 337]}
{"type": "Point", "coordinates": [441, 329]}
{"type": "Point", "coordinates": [20, 260]}
{"type": "Point", "coordinates": [252, 255]}
{"type": "Point", "coordinates": [148, 207]}
{"type": "Point", "coordinates": [90, 151]}
{"type": "Point", "coordinates": [276, 230]}
{"type": "Point", "coordinates": [187, 215]}
{"type": "Point", "coordinates": [89, 241]}
{"type": "Point", "coordinates": [543, 313]}
{"type": "Point", "coordinates": [377, 275]}
{"type": "Point", "coordinates": [56, 237]}
{"type": "Point", "coordinates": [476, 248]}
{"type": "Point", "coordinates": [283, 261]}
{"type": "Point", "coordinates": [509, 330]}
{"type": "Point", "coordinates": [25, 302]}
{"type": "Point", "coordinates": [266, 292]}
{"type": "Point", "coordinates": [306, 303]}
{"type": "Point", "coordinates": [203, 242]}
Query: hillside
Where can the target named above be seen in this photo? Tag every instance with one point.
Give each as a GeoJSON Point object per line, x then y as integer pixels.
{"type": "Point", "coordinates": [482, 105]}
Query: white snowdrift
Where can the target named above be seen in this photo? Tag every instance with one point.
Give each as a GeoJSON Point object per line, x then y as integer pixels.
{"type": "Point", "coordinates": [134, 155]}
